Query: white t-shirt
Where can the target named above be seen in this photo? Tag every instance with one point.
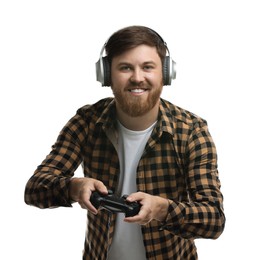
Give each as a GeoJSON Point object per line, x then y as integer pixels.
{"type": "Point", "coordinates": [128, 241]}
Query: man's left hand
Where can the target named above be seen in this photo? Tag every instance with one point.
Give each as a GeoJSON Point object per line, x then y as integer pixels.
{"type": "Point", "coordinates": [152, 207]}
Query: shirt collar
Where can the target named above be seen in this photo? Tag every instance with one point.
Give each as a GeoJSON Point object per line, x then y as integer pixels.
{"type": "Point", "coordinates": [165, 118]}
{"type": "Point", "coordinates": [108, 115]}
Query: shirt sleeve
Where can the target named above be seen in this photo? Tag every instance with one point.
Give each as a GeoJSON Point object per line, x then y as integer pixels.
{"type": "Point", "coordinates": [201, 215]}
{"type": "Point", "coordinates": [49, 185]}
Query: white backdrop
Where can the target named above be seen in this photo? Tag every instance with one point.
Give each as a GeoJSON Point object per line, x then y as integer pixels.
{"type": "Point", "coordinates": [48, 51]}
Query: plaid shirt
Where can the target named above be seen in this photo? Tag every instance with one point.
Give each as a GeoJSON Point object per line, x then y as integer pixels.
{"type": "Point", "coordinates": [179, 163]}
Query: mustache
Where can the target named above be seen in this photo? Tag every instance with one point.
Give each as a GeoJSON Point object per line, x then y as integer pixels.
{"type": "Point", "coordinates": [135, 85]}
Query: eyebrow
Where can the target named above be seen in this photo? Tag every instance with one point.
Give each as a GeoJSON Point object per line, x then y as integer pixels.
{"type": "Point", "coordinates": [130, 64]}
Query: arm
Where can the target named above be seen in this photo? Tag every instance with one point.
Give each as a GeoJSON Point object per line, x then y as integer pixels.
{"type": "Point", "coordinates": [202, 214]}
{"type": "Point", "coordinates": [49, 185]}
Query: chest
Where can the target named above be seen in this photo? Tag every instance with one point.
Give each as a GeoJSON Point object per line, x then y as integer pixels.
{"type": "Point", "coordinates": [157, 172]}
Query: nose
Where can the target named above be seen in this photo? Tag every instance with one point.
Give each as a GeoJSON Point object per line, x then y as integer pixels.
{"type": "Point", "coordinates": [137, 76]}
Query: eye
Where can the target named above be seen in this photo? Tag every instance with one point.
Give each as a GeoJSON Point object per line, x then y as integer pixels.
{"type": "Point", "coordinates": [148, 67]}
{"type": "Point", "coordinates": [125, 68]}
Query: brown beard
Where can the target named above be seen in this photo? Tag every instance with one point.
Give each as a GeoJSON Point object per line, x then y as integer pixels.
{"type": "Point", "coordinates": [134, 106]}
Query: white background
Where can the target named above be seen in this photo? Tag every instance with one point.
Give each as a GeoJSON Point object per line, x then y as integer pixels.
{"type": "Point", "coordinates": [48, 51]}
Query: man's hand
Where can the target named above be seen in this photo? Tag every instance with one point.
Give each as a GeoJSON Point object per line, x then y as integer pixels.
{"type": "Point", "coordinates": [80, 191]}
{"type": "Point", "coordinates": [152, 207]}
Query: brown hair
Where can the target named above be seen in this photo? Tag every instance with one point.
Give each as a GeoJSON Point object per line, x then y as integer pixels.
{"type": "Point", "coordinates": [131, 37]}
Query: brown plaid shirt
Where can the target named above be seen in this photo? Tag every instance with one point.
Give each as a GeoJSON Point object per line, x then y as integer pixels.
{"type": "Point", "coordinates": [179, 163]}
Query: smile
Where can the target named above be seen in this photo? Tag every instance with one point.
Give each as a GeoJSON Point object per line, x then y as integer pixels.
{"type": "Point", "coordinates": [137, 90]}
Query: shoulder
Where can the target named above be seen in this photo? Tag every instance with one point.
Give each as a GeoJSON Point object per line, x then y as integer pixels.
{"type": "Point", "coordinates": [86, 118]}
{"type": "Point", "coordinates": [96, 108]}
{"type": "Point", "coordinates": [180, 116]}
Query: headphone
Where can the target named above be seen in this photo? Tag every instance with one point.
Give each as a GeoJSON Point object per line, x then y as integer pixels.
{"type": "Point", "coordinates": [103, 70]}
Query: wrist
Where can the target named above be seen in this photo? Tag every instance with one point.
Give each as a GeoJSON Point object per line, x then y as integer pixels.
{"type": "Point", "coordinates": [74, 189]}
{"type": "Point", "coordinates": [163, 209]}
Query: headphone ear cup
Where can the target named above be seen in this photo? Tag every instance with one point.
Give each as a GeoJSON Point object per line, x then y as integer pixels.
{"type": "Point", "coordinates": [107, 72]}
{"type": "Point", "coordinates": [169, 71]}
{"type": "Point", "coordinates": [166, 71]}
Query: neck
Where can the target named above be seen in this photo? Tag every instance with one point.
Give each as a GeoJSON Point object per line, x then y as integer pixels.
{"type": "Point", "coordinates": [141, 122]}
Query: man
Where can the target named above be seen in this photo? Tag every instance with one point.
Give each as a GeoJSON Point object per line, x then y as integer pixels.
{"type": "Point", "coordinates": [138, 144]}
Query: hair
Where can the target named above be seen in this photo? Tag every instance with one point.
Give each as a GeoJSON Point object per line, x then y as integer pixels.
{"type": "Point", "coordinates": [131, 37]}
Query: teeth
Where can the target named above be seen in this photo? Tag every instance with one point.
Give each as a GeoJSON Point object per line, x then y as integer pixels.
{"type": "Point", "coordinates": [137, 90]}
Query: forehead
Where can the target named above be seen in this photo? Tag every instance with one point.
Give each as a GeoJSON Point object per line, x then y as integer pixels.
{"type": "Point", "coordinates": [141, 53]}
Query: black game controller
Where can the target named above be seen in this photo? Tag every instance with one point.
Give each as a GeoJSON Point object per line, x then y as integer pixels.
{"type": "Point", "coordinates": [115, 204]}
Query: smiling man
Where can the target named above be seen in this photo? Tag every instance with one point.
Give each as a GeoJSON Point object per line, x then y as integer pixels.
{"type": "Point", "coordinates": [138, 144]}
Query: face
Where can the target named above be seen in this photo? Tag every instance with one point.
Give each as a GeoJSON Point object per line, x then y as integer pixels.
{"type": "Point", "coordinates": [137, 80]}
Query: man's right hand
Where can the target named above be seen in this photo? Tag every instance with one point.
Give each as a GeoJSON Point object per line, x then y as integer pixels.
{"type": "Point", "coordinates": [80, 191]}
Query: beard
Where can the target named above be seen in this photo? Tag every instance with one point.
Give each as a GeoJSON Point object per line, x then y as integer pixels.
{"type": "Point", "coordinates": [136, 106]}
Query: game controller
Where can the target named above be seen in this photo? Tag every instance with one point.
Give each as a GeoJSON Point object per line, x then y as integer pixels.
{"type": "Point", "coordinates": [115, 204]}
